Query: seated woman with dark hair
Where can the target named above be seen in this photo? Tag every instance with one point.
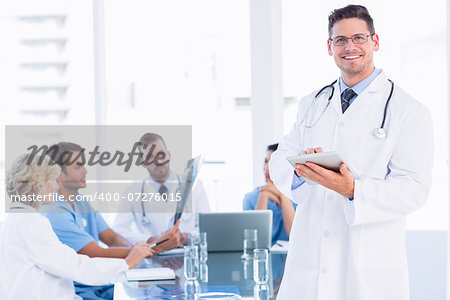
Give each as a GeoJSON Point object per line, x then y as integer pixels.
{"type": "Point", "coordinates": [269, 197]}
{"type": "Point", "coordinates": [38, 265]}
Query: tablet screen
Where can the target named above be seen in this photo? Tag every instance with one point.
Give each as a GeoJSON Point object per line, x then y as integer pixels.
{"type": "Point", "coordinates": [329, 160]}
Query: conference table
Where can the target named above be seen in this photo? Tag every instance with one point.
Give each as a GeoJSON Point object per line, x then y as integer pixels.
{"type": "Point", "coordinates": [226, 273]}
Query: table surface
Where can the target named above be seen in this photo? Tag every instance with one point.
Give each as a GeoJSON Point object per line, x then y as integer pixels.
{"type": "Point", "coordinates": [227, 272]}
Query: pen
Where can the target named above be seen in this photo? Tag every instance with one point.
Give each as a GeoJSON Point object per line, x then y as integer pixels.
{"type": "Point", "coordinates": [158, 243]}
{"type": "Point", "coordinates": [161, 287]}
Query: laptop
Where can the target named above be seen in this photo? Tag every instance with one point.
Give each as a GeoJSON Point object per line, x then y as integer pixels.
{"type": "Point", "coordinates": [225, 231]}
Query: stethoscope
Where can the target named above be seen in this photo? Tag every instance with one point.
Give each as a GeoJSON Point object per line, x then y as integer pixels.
{"type": "Point", "coordinates": [16, 207]}
{"type": "Point", "coordinates": [145, 219]}
{"type": "Point", "coordinates": [379, 133]}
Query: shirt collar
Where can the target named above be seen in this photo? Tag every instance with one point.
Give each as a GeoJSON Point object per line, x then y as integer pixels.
{"type": "Point", "coordinates": [171, 180]}
{"type": "Point", "coordinates": [64, 203]}
{"type": "Point", "coordinates": [361, 86]}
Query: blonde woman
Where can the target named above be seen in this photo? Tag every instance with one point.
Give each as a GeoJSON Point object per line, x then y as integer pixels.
{"type": "Point", "coordinates": [36, 264]}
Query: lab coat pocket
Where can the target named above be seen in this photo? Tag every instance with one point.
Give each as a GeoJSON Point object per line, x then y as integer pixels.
{"type": "Point", "coordinates": [374, 155]}
{"type": "Point", "coordinates": [381, 246]}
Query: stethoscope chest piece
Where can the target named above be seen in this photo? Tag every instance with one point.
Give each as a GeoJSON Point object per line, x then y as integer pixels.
{"type": "Point", "coordinates": [380, 133]}
{"type": "Point", "coordinates": [145, 221]}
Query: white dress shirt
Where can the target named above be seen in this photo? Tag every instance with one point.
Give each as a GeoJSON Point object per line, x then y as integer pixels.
{"type": "Point", "coordinates": [129, 221]}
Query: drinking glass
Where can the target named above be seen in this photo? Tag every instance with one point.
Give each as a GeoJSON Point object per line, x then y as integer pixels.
{"type": "Point", "coordinates": [260, 266]}
{"type": "Point", "coordinates": [250, 241]}
{"type": "Point", "coordinates": [191, 290]}
{"type": "Point", "coordinates": [203, 247]}
{"type": "Point", "coordinates": [193, 238]}
{"type": "Point", "coordinates": [261, 292]}
{"type": "Point", "coordinates": [191, 262]}
{"type": "Point", "coordinates": [203, 272]}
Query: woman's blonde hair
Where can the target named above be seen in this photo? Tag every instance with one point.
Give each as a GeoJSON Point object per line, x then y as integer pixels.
{"type": "Point", "coordinates": [28, 176]}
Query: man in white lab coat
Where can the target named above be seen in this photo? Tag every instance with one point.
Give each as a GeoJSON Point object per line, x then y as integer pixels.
{"type": "Point", "coordinates": [149, 221]}
{"type": "Point", "coordinates": [348, 236]}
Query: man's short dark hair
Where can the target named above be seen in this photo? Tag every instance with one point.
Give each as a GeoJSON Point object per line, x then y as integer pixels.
{"type": "Point", "coordinates": [272, 147]}
{"type": "Point", "coordinates": [149, 138]}
{"type": "Point", "coordinates": [350, 11]}
{"type": "Point", "coordinates": [56, 152]}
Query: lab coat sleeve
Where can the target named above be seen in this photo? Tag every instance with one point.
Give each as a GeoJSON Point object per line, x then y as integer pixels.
{"type": "Point", "coordinates": [60, 260]}
{"type": "Point", "coordinates": [281, 171]}
{"type": "Point", "coordinates": [406, 186]}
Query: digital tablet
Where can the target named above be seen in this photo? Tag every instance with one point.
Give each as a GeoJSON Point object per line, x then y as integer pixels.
{"type": "Point", "coordinates": [330, 160]}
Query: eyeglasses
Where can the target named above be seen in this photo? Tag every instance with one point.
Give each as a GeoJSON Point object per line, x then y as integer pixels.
{"type": "Point", "coordinates": [359, 38]}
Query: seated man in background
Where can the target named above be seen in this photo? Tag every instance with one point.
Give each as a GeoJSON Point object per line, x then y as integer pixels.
{"type": "Point", "coordinates": [269, 197]}
{"type": "Point", "coordinates": [76, 223]}
{"type": "Point", "coordinates": [138, 222]}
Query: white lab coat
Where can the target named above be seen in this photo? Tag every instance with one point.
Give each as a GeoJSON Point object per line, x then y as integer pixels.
{"type": "Point", "coordinates": [36, 265]}
{"type": "Point", "coordinates": [128, 222]}
{"type": "Point", "coordinates": [355, 250]}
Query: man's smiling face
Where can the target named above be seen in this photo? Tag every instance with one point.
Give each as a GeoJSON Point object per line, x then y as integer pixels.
{"type": "Point", "coordinates": [354, 60]}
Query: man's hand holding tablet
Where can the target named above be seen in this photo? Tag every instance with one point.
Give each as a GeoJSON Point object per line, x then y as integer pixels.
{"type": "Point", "coordinates": [340, 181]}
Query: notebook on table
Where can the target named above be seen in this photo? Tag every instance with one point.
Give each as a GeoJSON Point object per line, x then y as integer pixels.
{"type": "Point", "coordinates": [150, 274]}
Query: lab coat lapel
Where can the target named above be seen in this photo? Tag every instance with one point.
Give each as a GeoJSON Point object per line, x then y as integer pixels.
{"type": "Point", "coordinates": [336, 100]}
{"type": "Point", "coordinates": [377, 86]}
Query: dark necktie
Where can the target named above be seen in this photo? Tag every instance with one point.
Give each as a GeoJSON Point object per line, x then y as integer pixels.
{"type": "Point", "coordinates": [163, 190]}
{"type": "Point", "coordinates": [345, 99]}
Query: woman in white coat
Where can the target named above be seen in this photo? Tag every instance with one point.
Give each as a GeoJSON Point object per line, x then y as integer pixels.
{"type": "Point", "coordinates": [35, 263]}
{"type": "Point", "coordinates": [348, 236]}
